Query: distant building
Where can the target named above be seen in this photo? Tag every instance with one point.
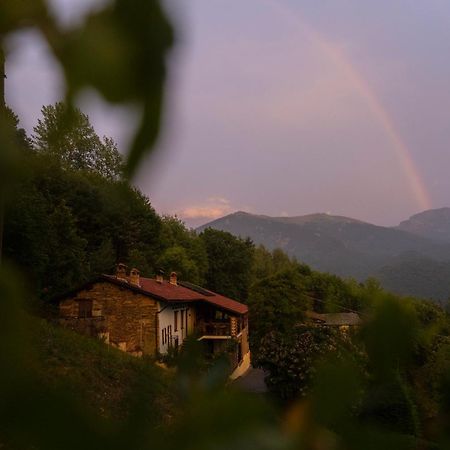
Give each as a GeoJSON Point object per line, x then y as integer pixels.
{"type": "Point", "coordinates": [149, 316]}
{"type": "Point", "coordinates": [343, 321]}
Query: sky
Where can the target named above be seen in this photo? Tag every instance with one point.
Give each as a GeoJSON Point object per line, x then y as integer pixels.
{"type": "Point", "coordinates": [282, 107]}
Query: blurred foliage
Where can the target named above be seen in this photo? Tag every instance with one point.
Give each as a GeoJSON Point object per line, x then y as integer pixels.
{"type": "Point", "coordinates": [119, 50]}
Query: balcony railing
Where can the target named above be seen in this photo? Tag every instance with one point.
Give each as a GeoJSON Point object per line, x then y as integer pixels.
{"type": "Point", "coordinates": [214, 329]}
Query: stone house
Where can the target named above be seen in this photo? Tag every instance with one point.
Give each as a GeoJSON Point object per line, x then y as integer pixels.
{"type": "Point", "coordinates": [150, 316]}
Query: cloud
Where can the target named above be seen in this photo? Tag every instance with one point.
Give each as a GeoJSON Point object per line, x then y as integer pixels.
{"type": "Point", "coordinates": [213, 208]}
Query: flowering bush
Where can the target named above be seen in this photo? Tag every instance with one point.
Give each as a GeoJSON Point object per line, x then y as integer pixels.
{"type": "Point", "coordinates": [290, 360]}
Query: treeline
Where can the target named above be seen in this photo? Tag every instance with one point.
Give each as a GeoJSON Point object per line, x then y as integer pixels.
{"type": "Point", "coordinates": [72, 215]}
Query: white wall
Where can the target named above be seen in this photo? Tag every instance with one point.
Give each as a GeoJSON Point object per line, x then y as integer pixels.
{"type": "Point", "coordinates": [167, 324]}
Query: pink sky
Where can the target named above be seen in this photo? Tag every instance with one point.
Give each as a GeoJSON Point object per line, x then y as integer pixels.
{"type": "Point", "coordinates": [261, 117]}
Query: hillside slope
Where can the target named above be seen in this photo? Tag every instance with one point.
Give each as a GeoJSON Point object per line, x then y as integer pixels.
{"type": "Point", "coordinates": [105, 380]}
{"type": "Point", "coordinates": [416, 275]}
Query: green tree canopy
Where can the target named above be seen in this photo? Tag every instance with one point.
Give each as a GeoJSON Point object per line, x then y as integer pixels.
{"type": "Point", "coordinates": [176, 259]}
{"type": "Point", "coordinates": [230, 263]}
{"type": "Point", "coordinates": [175, 234]}
{"type": "Point", "coordinates": [67, 135]}
{"type": "Point", "coordinates": [276, 299]}
{"type": "Point", "coordinates": [57, 215]}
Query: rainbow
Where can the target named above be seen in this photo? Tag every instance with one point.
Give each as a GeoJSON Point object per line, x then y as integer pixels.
{"type": "Point", "coordinates": [403, 154]}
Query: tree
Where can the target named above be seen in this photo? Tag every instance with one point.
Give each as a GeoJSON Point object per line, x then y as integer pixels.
{"type": "Point", "coordinates": [331, 293]}
{"type": "Point", "coordinates": [262, 264]}
{"type": "Point", "coordinates": [13, 144]}
{"type": "Point", "coordinates": [276, 299]}
{"type": "Point", "coordinates": [23, 143]}
{"type": "Point", "coordinates": [67, 260]}
{"type": "Point", "coordinates": [177, 260]}
{"type": "Point", "coordinates": [27, 233]}
{"type": "Point", "coordinates": [290, 359]}
{"type": "Point", "coordinates": [266, 264]}
{"type": "Point", "coordinates": [175, 234]}
{"type": "Point", "coordinates": [67, 135]}
{"type": "Point", "coordinates": [137, 258]}
{"type": "Point", "coordinates": [114, 221]}
{"type": "Point", "coordinates": [103, 258]}
{"type": "Point", "coordinates": [229, 263]}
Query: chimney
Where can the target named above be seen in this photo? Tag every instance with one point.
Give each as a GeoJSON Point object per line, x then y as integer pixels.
{"type": "Point", "coordinates": [160, 276]}
{"type": "Point", "coordinates": [121, 272]}
{"type": "Point", "coordinates": [173, 278]}
{"type": "Point", "coordinates": [134, 277]}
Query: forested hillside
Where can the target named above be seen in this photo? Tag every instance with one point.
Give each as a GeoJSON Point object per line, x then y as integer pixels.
{"type": "Point", "coordinates": [351, 248]}
{"type": "Point", "coordinates": [72, 215]}
{"type": "Point", "coordinates": [433, 224]}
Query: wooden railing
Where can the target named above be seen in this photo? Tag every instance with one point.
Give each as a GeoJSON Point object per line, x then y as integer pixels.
{"type": "Point", "coordinates": [214, 329]}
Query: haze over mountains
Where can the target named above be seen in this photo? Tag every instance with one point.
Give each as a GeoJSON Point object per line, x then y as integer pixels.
{"type": "Point", "coordinates": [411, 259]}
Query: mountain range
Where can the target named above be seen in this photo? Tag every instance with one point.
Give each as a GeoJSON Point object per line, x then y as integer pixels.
{"type": "Point", "coordinates": [412, 258]}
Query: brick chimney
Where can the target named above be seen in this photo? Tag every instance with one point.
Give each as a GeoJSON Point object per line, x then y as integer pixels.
{"type": "Point", "coordinates": [173, 278]}
{"type": "Point", "coordinates": [134, 277]}
{"type": "Point", "coordinates": [160, 276]}
{"type": "Point", "coordinates": [121, 272]}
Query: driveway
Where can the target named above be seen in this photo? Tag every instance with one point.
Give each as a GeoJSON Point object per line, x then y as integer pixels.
{"type": "Point", "coordinates": [252, 381]}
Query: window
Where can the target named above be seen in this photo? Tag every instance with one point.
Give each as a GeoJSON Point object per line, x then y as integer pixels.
{"type": "Point", "coordinates": [85, 308]}
{"type": "Point", "coordinates": [175, 320]}
{"type": "Point", "coordinates": [220, 316]}
{"type": "Point", "coordinates": [182, 319]}
{"type": "Point", "coordinates": [165, 335]}
{"type": "Point", "coordinates": [169, 335]}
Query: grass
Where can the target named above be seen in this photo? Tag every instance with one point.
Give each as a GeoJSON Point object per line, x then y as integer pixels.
{"type": "Point", "coordinates": [106, 381]}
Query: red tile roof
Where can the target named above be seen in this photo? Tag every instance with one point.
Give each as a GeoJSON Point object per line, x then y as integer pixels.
{"type": "Point", "coordinates": [176, 293]}
{"type": "Point", "coordinates": [226, 303]}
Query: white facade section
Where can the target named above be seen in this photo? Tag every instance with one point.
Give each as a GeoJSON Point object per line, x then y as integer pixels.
{"type": "Point", "coordinates": [176, 322]}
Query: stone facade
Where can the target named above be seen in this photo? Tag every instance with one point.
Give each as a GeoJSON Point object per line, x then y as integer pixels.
{"type": "Point", "coordinates": [146, 316]}
{"type": "Point", "coordinates": [120, 316]}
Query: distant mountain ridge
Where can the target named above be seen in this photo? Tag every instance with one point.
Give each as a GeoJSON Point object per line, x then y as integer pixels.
{"type": "Point", "coordinates": [432, 224]}
{"type": "Point", "coordinates": [353, 248]}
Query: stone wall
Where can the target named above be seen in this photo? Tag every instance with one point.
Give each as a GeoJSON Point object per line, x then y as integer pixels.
{"type": "Point", "coordinates": [126, 319]}
{"type": "Point", "coordinates": [245, 348]}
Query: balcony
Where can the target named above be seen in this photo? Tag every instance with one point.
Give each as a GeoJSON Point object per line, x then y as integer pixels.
{"type": "Point", "coordinates": [214, 330]}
